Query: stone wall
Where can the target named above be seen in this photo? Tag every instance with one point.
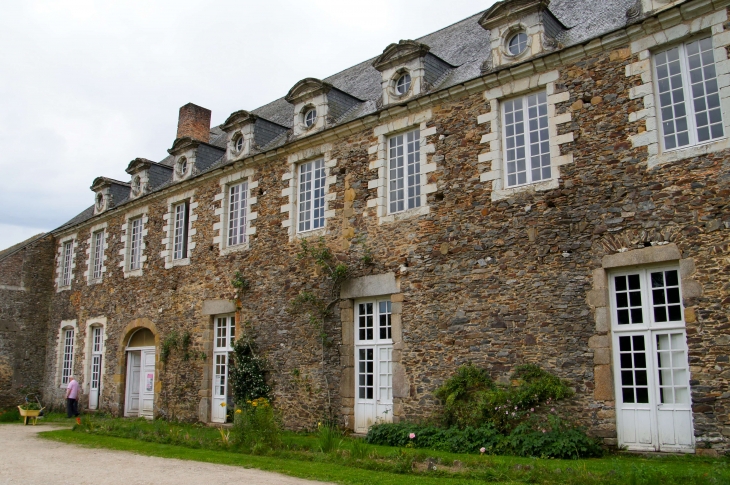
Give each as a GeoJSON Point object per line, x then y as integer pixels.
{"type": "Point", "coordinates": [25, 285]}
{"type": "Point", "coordinates": [496, 281]}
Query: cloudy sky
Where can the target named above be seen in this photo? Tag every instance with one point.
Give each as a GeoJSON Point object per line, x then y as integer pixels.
{"type": "Point", "coordinates": [86, 86]}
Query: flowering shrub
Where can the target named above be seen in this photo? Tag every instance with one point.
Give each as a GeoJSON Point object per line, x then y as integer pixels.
{"type": "Point", "coordinates": [471, 398]}
{"type": "Point", "coordinates": [247, 371]}
{"type": "Point", "coordinates": [256, 425]}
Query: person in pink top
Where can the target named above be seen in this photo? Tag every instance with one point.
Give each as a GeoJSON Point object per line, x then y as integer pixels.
{"type": "Point", "coordinates": [72, 397]}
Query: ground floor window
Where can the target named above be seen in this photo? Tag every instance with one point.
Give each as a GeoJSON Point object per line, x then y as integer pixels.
{"type": "Point", "coordinates": [224, 337]}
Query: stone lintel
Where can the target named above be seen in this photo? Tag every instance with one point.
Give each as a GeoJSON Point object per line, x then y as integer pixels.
{"type": "Point", "coordinates": [374, 285]}
{"type": "Point", "coordinates": [654, 254]}
{"type": "Point", "coordinates": [217, 307]}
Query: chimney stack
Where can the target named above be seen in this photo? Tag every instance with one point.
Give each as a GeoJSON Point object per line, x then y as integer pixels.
{"type": "Point", "coordinates": [194, 122]}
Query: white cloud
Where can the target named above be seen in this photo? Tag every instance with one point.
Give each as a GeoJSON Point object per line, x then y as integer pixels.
{"type": "Point", "coordinates": [88, 86]}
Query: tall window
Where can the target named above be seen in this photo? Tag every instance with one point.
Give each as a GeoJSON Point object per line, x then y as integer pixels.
{"type": "Point", "coordinates": [68, 355]}
{"type": "Point", "coordinates": [237, 208]}
{"type": "Point", "coordinates": [66, 255]}
{"type": "Point", "coordinates": [404, 166]}
{"type": "Point", "coordinates": [526, 139]}
{"type": "Point", "coordinates": [97, 254]}
{"type": "Point", "coordinates": [689, 97]}
{"type": "Point", "coordinates": [180, 235]}
{"type": "Point", "coordinates": [135, 251]}
{"type": "Point", "coordinates": [311, 195]}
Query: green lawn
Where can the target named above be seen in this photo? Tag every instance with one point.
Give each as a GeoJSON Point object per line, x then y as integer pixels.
{"type": "Point", "coordinates": [386, 465]}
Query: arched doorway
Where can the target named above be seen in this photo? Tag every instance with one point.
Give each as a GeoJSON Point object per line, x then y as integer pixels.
{"type": "Point", "coordinates": [140, 389]}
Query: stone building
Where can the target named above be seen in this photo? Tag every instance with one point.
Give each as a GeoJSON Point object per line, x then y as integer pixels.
{"type": "Point", "coordinates": [545, 181]}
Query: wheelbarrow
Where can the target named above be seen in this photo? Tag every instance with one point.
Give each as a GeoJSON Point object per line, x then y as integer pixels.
{"type": "Point", "coordinates": [31, 401]}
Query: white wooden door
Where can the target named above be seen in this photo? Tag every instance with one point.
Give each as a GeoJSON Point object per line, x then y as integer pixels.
{"type": "Point", "coordinates": [225, 335]}
{"type": "Point", "coordinates": [131, 401]}
{"type": "Point", "coordinates": [147, 383]}
{"type": "Point", "coordinates": [654, 410]}
{"type": "Point", "coordinates": [373, 364]}
{"type": "Point", "coordinates": [96, 356]}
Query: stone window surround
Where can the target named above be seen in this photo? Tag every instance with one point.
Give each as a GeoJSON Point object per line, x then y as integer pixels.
{"type": "Point", "coordinates": [373, 286]}
{"type": "Point", "coordinates": [89, 273]}
{"type": "Point", "coordinates": [126, 239]}
{"type": "Point", "coordinates": [598, 300]}
{"type": "Point", "coordinates": [291, 192]}
{"type": "Point", "coordinates": [383, 133]}
{"type": "Point", "coordinates": [86, 366]}
{"type": "Point", "coordinates": [318, 102]}
{"type": "Point", "coordinates": [222, 212]}
{"type": "Point", "coordinates": [65, 325]}
{"type": "Point", "coordinates": [59, 267]}
{"type": "Point", "coordinates": [509, 32]}
{"type": "Point", "coordinates": [494, 139]}
{"type": "Point", "coordinates": [659, 40]}
{"type": "Point", "coordinates": [144, 181]}
{"type": "Point", "coordinates": [169, 218]}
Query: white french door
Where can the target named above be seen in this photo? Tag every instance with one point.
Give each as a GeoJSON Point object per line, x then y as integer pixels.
{"type": "Point", "coordinates": [373, 364]}
{"type": "Point", "coordinates": [225, 335]}
{"type": "Point", "coordinates": [654, 409]}
{"type": "Point", "coordinates": [96, 356]}
{"type": "Point", "coordinates": [140, 392]}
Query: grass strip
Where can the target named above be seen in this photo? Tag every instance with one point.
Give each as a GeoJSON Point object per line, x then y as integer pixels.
{"type": "Point", "coordinates": [327, 472]}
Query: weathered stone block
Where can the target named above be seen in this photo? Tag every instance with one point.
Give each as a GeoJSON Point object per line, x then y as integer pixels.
{"type": "Point", "coordinates": [373, 285]}
{"type": "Point", "coordinates": [599, 342]}
{"type": "Point", "coordinates": [603, 382]}
{"type": "Point", "coordinates": [601, 356]}
{"type": "Point", "coordinates": [218, 307]}
{"type": "Point", "coordinates": [635, 257]}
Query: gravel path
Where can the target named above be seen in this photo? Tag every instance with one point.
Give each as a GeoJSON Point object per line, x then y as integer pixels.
{"type": "Point", "coordinates": [29, 460]}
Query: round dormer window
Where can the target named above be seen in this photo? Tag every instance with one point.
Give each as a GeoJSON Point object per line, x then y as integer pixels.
{"type": "Point", "coordinates": [136, 185]}
{"type": "Point", "coordinates": [310, 117]}
{"type": "Point", "coordinates": [517, 43]}
{"type": "Point", "coordinates": [403, 84]}
{"type": "Point", "coordinates": [238, 143]}
{"type": "Point", "coordinates": [99, 201]}
{"type": "Point", "coordinates": [182, 166]}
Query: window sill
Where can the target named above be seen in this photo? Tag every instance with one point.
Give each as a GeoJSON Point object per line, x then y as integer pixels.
{"type": "Point", "coordinates": [94, 281]}
{"type": "Point", "coordinates": [133, 273]}
{"type": "Point", "coordinates": [500, 194]}
{"type": "Point", "coordinates": [234, 249]}
{"type": "Point", "coordinates": [687, 152]}
{"type": "Point", "coordinates": [63, 288]}
{"type": "Point", "coordinates": [181, 262]}
{"type": "Point", "coordinates": [406, 214]}
{"type": "Point", "coordinates": [314, 232]}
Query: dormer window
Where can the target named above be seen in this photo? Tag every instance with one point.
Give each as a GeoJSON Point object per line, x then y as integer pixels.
{"type": "Point", "coordinates": [310, 117]}
{"type": "Point", "coordinates": [519, 29]}
{"type": "Point", "coordinates": [408, 69]}
{"type": "Point", "coordinates": [182, 167]}
{"type": "Point", "coordinates": [517, 43]}
{"type": "Point", "coordinates": [108, 193]}
{"type": "Point", "coordinates": [403, 84]}
{"type": "Point", "coordinates": [247, 133]}
{"type": "Point", "coordinates": [147, 176]}
{"type": "Point", "coordinates": [317, 105]}
{"type": "Point", "coordinates": [99, 202]}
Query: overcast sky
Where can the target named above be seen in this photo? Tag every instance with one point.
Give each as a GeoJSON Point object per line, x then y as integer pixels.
{"type": "Point", "coordinates": [87, 86]}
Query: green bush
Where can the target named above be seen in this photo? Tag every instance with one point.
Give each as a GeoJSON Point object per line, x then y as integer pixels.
{"type": "Point", "coordinates": [551, 437]}
{"type": "Point", "coordinates": [11, 415]}
{"type": "Point", "coordinates": [247, 372]}
{"type": "Point", "coordinates": [454, 440]}
{"type": "Point", "coordinates": [329, 437]}
{"type": "Point", "coordinates": [256, 426]}
{"type": "Point", "coordinates": [472, 399]}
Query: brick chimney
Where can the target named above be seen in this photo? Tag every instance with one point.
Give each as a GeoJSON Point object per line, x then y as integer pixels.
{"type": "Point", "coordinates": [194, 122]}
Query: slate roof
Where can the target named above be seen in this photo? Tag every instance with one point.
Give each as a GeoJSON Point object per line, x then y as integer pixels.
{"type": "Point", "coordinates": [17, 247]}
{"type": "Point", "coordinates": [464, 44]}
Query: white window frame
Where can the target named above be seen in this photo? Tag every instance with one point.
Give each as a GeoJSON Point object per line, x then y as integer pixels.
{"type": "Point", "coordinates": [410, 143]}
{"type": "Point", "coordinates": [307, 188]}
{"type": "Point", "coordinates": [224, 211]}
{"type": "Point", "coordinates": [689, 100]}
{"type": "Point", "coordinates": [492, 160]}
{"type": "Point", "coordinates": [237, 214]}
{"type": "Point", "coordinates": [507, 137]}
{"type": "Point", "coordinates": [96, 256]}
{"type": "Point", "coordinates": [135, 243]}
{"type": "Point", "coordinates": [64, 366]}
{"type": "Point", "coordinates": [65, 266]}
{"type": "Point", "coordinates": [168, 242]}
{"type": "Point", "coordinates": [291, 193]}
{"type": "Point", "coordinates": [643, 70]}
{"type": "Point", "coordinates": [384, 133]}
{"type": "Point", "coordinates": [91, 324]}
{"type": "Point", "coordinates": [128, 237]}
{"type": "Point", "coordinates": [181, 214]}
